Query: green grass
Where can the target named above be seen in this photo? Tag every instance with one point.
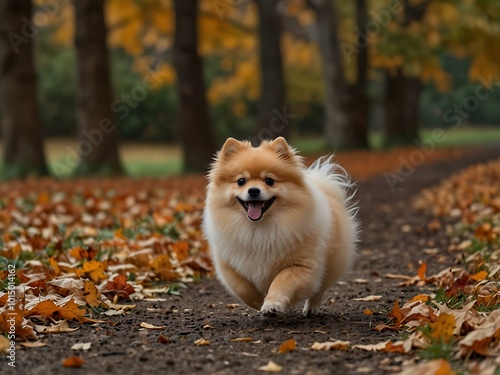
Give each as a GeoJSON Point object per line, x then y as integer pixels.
{"type": "Point", "coordinates": [464, 136]}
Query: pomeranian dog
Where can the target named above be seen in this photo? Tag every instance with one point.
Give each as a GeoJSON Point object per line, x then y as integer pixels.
{"type": "Point", "coordinates": [279, 233]}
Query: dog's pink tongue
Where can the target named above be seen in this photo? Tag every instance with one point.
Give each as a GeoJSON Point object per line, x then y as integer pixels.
{"type": "Point", "coordinates": [255, 210]}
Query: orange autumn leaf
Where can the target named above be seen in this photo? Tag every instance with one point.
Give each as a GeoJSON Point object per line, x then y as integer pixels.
{"type": "Point", "coordinates": [80, 254]}
{"type": "Point", "coordinates": [481, 275]}
{"type": "Point", "coordinates": [367, 312]}
{"type": "Point", "coordinates": [443, 328]}
{"type": "Point", "coordinates": [45, 308]}
{"type": "Point", "coordinates": [91, 293]}
{"type": "Point", "coordinates": [181, 249]}
{"type": "Point", "coordinates": [421, 271]}
{"type": "Point", "coordinates": [119, 234]}
{"type": "Point", "coordinates": [55, 266]}
{"type": "Point", "coordinates": [287, 346]}
{"type": "Point", "coordinates": [397, 315]}
{"type": "Point", "coordinates": [22, 329]}
{"type": "Point", "coordinates": [73, 362]}
{"type": "Point", "coordinates": [71, 311]}
{"type": "Point", "coordinates": [420, 297]}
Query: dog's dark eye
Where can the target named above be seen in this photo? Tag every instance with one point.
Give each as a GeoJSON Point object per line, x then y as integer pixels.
{"type": "Point", "coordinates": [241, 182]}
{"type": "Point", "coordinates": [269, 181]}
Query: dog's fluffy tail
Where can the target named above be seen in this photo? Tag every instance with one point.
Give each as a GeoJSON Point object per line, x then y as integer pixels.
{"type": "Point", "coordinates": [334, 179]}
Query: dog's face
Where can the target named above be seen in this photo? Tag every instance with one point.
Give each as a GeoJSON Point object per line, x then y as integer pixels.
{"type": "Point", "coordinates": [256, 182]}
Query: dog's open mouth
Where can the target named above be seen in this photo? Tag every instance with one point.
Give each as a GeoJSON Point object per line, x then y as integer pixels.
{"type": "Point", "coordinates": [255, 209]}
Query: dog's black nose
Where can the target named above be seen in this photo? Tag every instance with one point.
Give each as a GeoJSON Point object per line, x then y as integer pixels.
{"type": "Point", "coordinates": [254, 192]}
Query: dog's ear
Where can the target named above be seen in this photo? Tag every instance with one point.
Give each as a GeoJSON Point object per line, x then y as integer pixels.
{"type": "Point", "coordinates": [282, 148]}
{"type": "Point", "coordinates": [231, 146]}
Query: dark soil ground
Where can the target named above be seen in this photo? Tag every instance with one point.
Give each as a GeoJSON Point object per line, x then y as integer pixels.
{"type": "Point", "coordinates": [205, 310]}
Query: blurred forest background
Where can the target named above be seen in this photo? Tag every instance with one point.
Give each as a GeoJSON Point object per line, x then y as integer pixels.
{"type": "Point", "coordinates": [328, 75]}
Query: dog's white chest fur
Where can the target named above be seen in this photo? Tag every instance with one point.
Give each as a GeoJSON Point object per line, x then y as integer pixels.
{"type": "Point", "coordinates": [254, 249]}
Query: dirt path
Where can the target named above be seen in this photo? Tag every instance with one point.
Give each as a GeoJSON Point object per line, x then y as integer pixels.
{"type": "Point", "coordinates": [204, 310]}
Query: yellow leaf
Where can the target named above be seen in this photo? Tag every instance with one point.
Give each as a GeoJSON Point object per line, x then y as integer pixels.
{"type": "Point", "coordinates": [443, 328]}
{"type": "Point", "coordinates": [287, 346]}
{"type": "Point", "coordinates": [91, 293]}
{"type": "Point", "coordinates": [94, 270]}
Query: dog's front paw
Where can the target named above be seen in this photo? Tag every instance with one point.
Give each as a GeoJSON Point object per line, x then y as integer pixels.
{"type": "Point", "coordinates": [271, 309]}
{"type": "Point", "coordinates": [310, 309]}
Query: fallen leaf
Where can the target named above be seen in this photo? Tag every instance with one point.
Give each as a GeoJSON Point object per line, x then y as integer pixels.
{"type": "Point", "coordinates": [163, 339]}
{"type": "Point", "coordinates": [481, 275]}
{"type": "Point", "coordinates": [271, 367]}
{"type": "Point", "coordinates": [368, 298]}
{"type": "Point", "coordinates": [287, 346]}
{"type": "Point", "coordinates": [73, 362]}
{"type": "Point", "coordinates": [435, 366]}
{"type": "Point", "coordinates": [91, 293]}
{"type": "Point", "coordinates": [331, 345]}
{"type": "Point", "coordinates": [81, 346]}
{"type": "Point", "coordinates": [367, 312]}
{"type": "Point", "coordinates": [151, 326]}
{"type": "Point", "coordinates": [443, 328]}
{"type": "Point", "coordinates": [202, 342]}
{"type": "Point", "coordinates": [241, 339]}
{"type": "Point", "coordinates": [372, 347]}
{"type": "Point", "coordinates": [421, 271]}
{"type": "Point", "coordinates": [59, 327]}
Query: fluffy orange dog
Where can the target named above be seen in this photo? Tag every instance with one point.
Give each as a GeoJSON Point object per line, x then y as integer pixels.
{"type": "Point", "coordinates": [279, 232]}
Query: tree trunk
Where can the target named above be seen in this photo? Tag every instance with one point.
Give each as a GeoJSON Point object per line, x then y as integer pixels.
{"type": "Point", "coordinates": [402, 99]}
{"type": "Point", "coordinates": [23, 153]}
{"type": "Point", "coordinates": [196, 128]}
{"type": "Point", "coordinates": [98, 135]}
{"type": "Point", "coordinates": [346, 105]}
{"type": "Point", "coordinates": [273, 118]}
{"type": "Point", "coordinates": [402, 93]}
